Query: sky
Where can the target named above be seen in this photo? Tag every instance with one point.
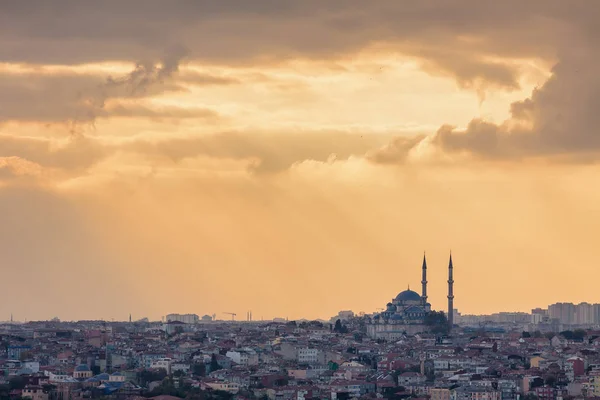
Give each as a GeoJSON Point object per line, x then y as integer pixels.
{"type": "Point", "coordinates": [296, 158]}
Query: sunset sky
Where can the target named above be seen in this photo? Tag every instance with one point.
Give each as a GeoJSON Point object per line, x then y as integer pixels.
{"type": "Point", "coordinates": [295, 158]}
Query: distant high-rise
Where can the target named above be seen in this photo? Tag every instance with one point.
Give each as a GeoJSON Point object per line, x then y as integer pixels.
{"type": "Point", "coordinates": [185, 318]}
{"type": "Point", "coordinates": [450, 294]}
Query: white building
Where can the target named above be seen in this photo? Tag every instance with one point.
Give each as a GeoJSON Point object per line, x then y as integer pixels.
{"type": "Point", "coordinates": [185, 318]}
{"type": "Point", "coordinates": [162, 363]}
{"type": "Point", "coordinates": [180, 366]}
{"type": "Point", "coordinates": [34, 366]}
{"type": "Point", "coordinates": [243, 357]}
{"type": "Point", "coordinates": [173, 327]}
{"type": "Point", "coordinates": [310, 356]}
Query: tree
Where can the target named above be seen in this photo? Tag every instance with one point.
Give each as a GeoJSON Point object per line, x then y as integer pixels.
{"type": "Point", "coordinates": [579, 334]}
{"type": "Point", "coordinates": [147, 376]}
{"type": "Point", "coordinates": [221, 395]}
{"type": "Point", "coordinates": [179, 373]}
{"type": "Point", "coordinates": [550, 381]}
{"type": "Point", "coordinates": [536, 382]}
{"type": "Point", "coordinates": [17, 382]}
{"type": "Point", "coordinates": [199, 369]}
{"type": "Point", "coordinates": [567, 335]}
{"type": "Point", "coordinates": [280, 382]}
{"type": "Point", "coordinates": [214, 364]}
{"type": "Point", "coordinates": [525, 335]}
{"type": "Point", "coordinates": [48, 387]}
{"type": "Point", "coordinates": [338, 326]}
{"type": "Point", "coordinates": [317, 324]}
{"type": "Point", "coordinates": [4, 392]}
{"type": "Point", "coordinates": [437, 322]}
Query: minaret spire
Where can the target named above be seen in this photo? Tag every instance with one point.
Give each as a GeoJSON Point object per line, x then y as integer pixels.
{"type": "Point", "coordinates": [450, 294]}
{"type": "Point", "coordinates": [424, 280]}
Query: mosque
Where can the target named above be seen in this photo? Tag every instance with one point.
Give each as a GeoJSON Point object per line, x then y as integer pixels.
{"type": "Point", "coordinates": [406, 313]}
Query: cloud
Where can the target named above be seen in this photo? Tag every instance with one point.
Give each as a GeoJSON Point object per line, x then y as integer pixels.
{"type": "Point", "coordinates": [559, 118]}
{"type": "Point", "coordinates": [396, 151]}
{"type": "Point", "coordinates": [265, 152]}
{"type": "Point", "coordinates": [12, 168]}
{"type": "Point", "coordinates": [75, 97]}
{"type": "Point", "coordinates": [159, 113]}
{"type": "Point", "coordinates": [260, 152]}
{"type": "Point", "coordinates": [57, 98]}
{"type": "Point", "coordinates": [75, 154]}
{"type": "Point", "coordinates": [266, 31]}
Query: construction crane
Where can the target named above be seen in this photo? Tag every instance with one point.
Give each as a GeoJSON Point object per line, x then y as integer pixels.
{"type": "Point", "coordinates": [230, 313]}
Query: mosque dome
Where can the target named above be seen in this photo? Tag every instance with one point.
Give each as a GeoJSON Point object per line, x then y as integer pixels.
{"type": "Point", "coordinates": [408, 295]}
{"type": "Point", "coordinates": [82, 368]}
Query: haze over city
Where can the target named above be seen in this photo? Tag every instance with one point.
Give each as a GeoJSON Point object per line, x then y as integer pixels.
{"type": "Point", "coordinates": [296, 158]}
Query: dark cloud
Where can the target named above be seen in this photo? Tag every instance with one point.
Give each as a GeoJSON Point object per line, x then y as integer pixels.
{"type": "Point", "coordinates": [69, 31]}
{"type": "Point", "coordinates": [81, 98]}
{"type": "Point", "coordinates": [559, 118]}
{"type": "Point", "coordinates": [473, 41]}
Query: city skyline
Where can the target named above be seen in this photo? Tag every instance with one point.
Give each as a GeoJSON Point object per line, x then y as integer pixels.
{"type": "Point", "coordinates": [564, 312]}
{"type": "Point", "coordinates": [295, 158]}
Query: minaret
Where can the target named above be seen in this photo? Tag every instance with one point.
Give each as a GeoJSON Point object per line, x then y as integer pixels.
{"type": "Point", "coordinates": [450, 295]}
{"type": "Point", "coordinates": [424, 281]}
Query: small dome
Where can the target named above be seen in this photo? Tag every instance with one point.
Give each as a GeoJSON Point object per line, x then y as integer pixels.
{"type": "Point", "coordinates": [408, 295]}
{"type": "Point", "coordinates": [82, 368]}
